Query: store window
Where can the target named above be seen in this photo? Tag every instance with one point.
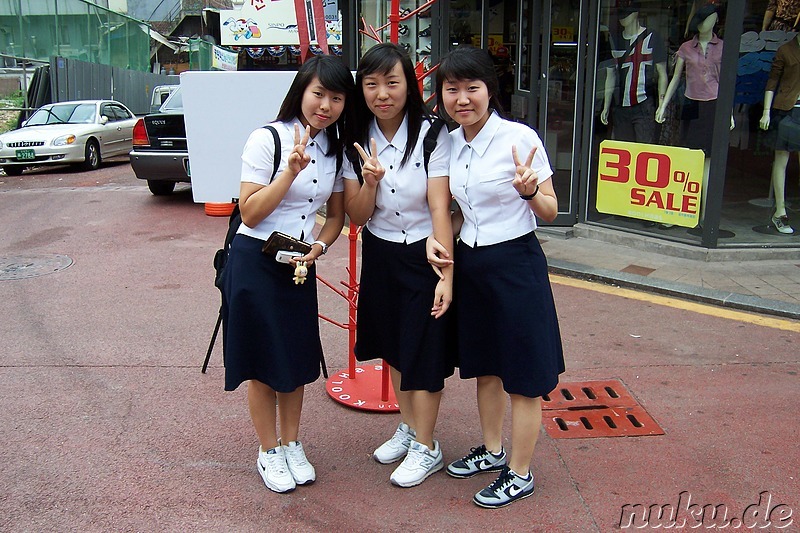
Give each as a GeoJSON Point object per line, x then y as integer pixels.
{"type": "Point", "coordinates": [656, 116]}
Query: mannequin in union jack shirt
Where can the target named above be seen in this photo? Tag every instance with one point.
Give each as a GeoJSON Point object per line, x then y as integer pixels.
{"type": "Point", "coordinates": [640, 58]}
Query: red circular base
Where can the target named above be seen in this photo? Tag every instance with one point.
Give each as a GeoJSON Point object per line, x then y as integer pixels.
{"type": "Point", "coordinates": [363, 391]}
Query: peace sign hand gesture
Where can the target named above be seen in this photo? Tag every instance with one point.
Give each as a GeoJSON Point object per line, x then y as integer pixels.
{"type": "Point", "coordinates": [371, 169]}
{"type": "Point", "coordinates": [526, 179]}
{"type": "Point", "coordinates": [298, 158]}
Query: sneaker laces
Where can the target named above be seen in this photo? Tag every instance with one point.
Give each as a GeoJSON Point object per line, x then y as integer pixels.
{"type": "Point", "coordinates": [400, 437]}
{"type": "Point", "coordinates": [296, 456]}
{"type": "Point", "coordinates": [474, 453]}
{"type": "Point", "coordinates": [275, 462]}
{"type": "Point", "coordinates": [505, 478]}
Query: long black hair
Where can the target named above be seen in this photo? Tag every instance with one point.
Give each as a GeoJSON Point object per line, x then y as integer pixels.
{"type": "Point", "coordinates": [468, 63]}
{"type": "Point", "coordinates": [334, 76]}
{"type": "Point", "coordinates": [382, 58]}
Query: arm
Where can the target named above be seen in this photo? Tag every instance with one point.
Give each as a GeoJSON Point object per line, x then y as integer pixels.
{"type": "Point", "coordinates": [768, 16]}
{"type": "Point", "coordinates": [331, 229]}
{"type": "Point", "coordinates": [360, 198]}
{"type": "Point", "coordinates": [541, 197]}
{"type": "Point", "coordinates": [611, 82]}
{"type": "Point", "coordinates": [692, 11]}
{"type": "Point", "coordinates": [439, 203]}
{"type": "Point", "coordinates": [764, 122]}
{"type": "Point", "coordinates": [673, 86]}
{"type": "Point", "coordinates": [661, 70]}
{"type": "Point", "coordinates": [257, 201]}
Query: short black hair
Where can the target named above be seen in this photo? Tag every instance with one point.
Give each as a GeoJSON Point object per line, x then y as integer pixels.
{"type": "Point", "coordinates": [702, 14]}
{"type": "Point", "coordinates": [469, 63]}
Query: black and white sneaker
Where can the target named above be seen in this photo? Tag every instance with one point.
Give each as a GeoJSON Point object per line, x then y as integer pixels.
{"type": "Point", "coordinates": [507, 488]}
{"type": "Point", "coordinates": [476, 461]}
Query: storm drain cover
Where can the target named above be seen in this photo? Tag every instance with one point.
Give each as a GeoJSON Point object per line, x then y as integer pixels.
{"type": "Point", "coordinates": [595, 409]}
{"type": "Point", "coordinates": [29, 266]}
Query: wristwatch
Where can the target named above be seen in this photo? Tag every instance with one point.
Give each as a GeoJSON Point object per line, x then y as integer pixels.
{"type": "Point", "coordinates": [323, 245]}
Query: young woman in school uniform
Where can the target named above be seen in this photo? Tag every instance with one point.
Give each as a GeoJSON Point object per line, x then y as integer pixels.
{"type": "Point", "coordinates": [401, 303]}
{"type": "Point", "coordinates": [508, 334]}
{"type": "Point", "coordinates": [271, 338]}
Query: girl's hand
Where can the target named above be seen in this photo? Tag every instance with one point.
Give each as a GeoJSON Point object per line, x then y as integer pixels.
{"type": "Point", "coordinates": [371, 169]}
{"type": "Point", "coordinates": [526, 179]}
{"type": "Point", "coordinates": [442, 298]}
{"type": "Point", "coordinates": [437, 255]}
{"type": "Point", "coordinates": [298, 158]}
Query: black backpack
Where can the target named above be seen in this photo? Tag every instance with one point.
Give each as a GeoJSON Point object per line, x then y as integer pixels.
{"type": "Point", "coordinates": [428, 146]}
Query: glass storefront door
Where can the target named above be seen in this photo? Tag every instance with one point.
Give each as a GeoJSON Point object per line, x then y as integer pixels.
{"type": "Point", "coordinates": [535, 47]}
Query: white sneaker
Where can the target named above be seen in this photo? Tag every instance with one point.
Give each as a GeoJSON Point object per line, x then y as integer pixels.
{"type": "Point", "coordinates": [302, 471]}
{"type": "Point", "coordinates": [274, 470]}
{"type": "Point", "coordinates": [420, 463]}
{"type": "Point", "coordinates": [395, 448]}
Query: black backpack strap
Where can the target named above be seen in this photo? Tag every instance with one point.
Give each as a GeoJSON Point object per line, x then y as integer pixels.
{"type": "Point", "coordinates": [430, 140]}
{"type": "Point", "coordinates": [276, 158]}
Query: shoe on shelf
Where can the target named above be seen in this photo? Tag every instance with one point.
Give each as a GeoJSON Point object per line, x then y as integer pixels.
{"type": "Point", "coordinates": [782, 224]}
{"type": "Point", "coordinates": [274, 470]}
{"type": "Point", "coordinates": [395, 448]}
{"type": "Point", "coordinates": [402, 29]}
{"type": "Point", "coordinates": [426, 32]}
{"type": "Point", "coordinates": [420, 462]}
{"type": "Point", "coordinates": [478, 460]}
{"type": "Point", "coordinates": [507, 488]}
{"type": "Point", "coordinates": [302, 471]}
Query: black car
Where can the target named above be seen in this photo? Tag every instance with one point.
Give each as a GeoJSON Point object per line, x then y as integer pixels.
{"type": "Point", "coordinates": [160, 154]}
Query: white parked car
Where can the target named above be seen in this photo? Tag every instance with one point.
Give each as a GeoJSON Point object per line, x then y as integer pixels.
{"type": "Point", "coordinates": [82, 133]}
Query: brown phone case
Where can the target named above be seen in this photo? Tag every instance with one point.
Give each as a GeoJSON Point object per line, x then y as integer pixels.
{"type": "Point", "coordinates": [280, 241]}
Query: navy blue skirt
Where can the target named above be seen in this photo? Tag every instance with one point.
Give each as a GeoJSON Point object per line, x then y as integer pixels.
{"type": "Point", "coordinates": [507, 323]}
{"type": "Point", "coordinates": [394, 314]}
{"type": "Point", "coordinates": [271, 329]}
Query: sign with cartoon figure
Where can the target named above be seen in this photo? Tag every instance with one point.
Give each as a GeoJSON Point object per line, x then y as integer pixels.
{"type": "Point", "coordinates": [650, 182]}
{"type": "Point", "coordinates": [281, 22]}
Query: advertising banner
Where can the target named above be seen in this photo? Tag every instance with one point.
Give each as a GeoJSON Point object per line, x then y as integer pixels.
{"type": "Point", "coordinates": [275, 22]}
{"type": "Point", "coordinates": [222, 59]}
{"type": "Point", "coordinates": [650, 182]}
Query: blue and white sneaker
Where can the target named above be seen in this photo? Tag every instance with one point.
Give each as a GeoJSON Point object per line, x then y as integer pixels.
{"type": "Point", "coordinates": [507, 488]}
{"type": "Point", "coordinates": [478, 460]}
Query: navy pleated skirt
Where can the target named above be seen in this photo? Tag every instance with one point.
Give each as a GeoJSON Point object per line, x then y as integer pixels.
{"type": "Point", "coordinates": [507, 323]}
{"type": "Point", "coordinates": [394, 314]}
{"type": "Point", "coordinates": [271, 329]}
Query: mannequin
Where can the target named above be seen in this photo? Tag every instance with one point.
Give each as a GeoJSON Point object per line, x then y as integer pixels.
{"type": "Point", "coordinates": [701, 56]}
{"type": "Point", "coordinates": [780, 97]}
{"type": "Point", "coordinates": [633, 114]}
{"type": "Point", "coordinates": [780, 15]}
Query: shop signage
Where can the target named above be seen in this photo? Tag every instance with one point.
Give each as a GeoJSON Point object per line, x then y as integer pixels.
{"type": "Point", "coordinates": [223, 59]}
{"type": "Point", "coordinates": [563, 34]}
{"type": "Point", "coordinates": [650, 182]}
{"type": "Point", "coordinates": [275, 22]}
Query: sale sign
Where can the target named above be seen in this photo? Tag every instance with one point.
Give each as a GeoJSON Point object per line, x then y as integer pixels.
{"type": "Point", "coordinates": [650, 182]}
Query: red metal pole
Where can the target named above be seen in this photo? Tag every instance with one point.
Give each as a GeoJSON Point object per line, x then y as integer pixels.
{"type": "Point", "coordinates": [351, 294]}
{"type": "Point", "coordinates": [394, 22]}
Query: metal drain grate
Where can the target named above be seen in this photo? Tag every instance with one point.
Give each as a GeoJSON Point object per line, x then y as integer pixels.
{"type": "Point", "coordinates": [595, 409]}
{"type": "Point", "coordinates": [20, 267]}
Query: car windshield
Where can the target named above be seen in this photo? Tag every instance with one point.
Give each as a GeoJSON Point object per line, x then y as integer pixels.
{"type": "Point", "coordinates": [63, 114]}
{"type": "Point", "coordinates": [173, 104]}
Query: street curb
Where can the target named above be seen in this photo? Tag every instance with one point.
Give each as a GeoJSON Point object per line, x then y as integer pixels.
{"type": "Point", "coordinates": [679, 290]}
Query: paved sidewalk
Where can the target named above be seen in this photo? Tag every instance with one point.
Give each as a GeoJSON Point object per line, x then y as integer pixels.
{"type": "Point", "coordinates": [740, 278]}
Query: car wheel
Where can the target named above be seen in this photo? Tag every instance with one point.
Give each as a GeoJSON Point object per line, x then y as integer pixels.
{"type": "Point", "coordinates": [161, 188]}
{"type": "Point", "coordinates": [16, 170]}
{"type": "Point", "coordinates": [92, 156]}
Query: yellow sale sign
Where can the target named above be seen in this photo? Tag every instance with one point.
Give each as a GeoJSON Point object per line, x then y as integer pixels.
{"type": "Point", "coordinates": [650, 182]}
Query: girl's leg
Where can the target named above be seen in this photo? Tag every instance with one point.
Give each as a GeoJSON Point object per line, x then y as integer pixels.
{"type": "Point", "coordinates": [403, 399]}
{"type": "Point", "coordinates": [779, 181]}
{"type": "Point", "coordinates": [492, 410]}
{"type": "Point", "coordinates": [526, 420]}
{"type": "Point", "coordinates": [290, 407]}
{"type": "Point", "coordinates": [261, 400]}
{"type": "Point", "coordinates": [425, 409]}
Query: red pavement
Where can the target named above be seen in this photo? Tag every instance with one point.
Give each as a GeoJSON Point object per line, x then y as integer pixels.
{"type": "Point", "coordinates": [108, 424]}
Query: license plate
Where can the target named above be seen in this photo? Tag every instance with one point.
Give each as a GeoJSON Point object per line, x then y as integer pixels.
{"type": "Point", "coordinates": [26, 155]}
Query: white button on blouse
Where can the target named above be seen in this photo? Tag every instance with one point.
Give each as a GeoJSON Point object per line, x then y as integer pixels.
{"type": "Point", "coordinates": [296, 214]}
{"type": "Point", "coordinates": [481, 173]}
{"type": "Point", "coordinates": [401, 202]}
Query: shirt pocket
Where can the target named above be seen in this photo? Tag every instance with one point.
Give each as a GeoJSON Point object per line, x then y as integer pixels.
{"type": "Point", "coordinates": [493, 188]}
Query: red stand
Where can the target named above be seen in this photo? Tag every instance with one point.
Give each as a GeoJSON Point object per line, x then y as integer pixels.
{"type": "Point", "coordinates": [365, 387]}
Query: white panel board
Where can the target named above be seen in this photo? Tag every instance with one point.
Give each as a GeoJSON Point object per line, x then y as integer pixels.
{"type": "Point", "coordinates": [221, 109]}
